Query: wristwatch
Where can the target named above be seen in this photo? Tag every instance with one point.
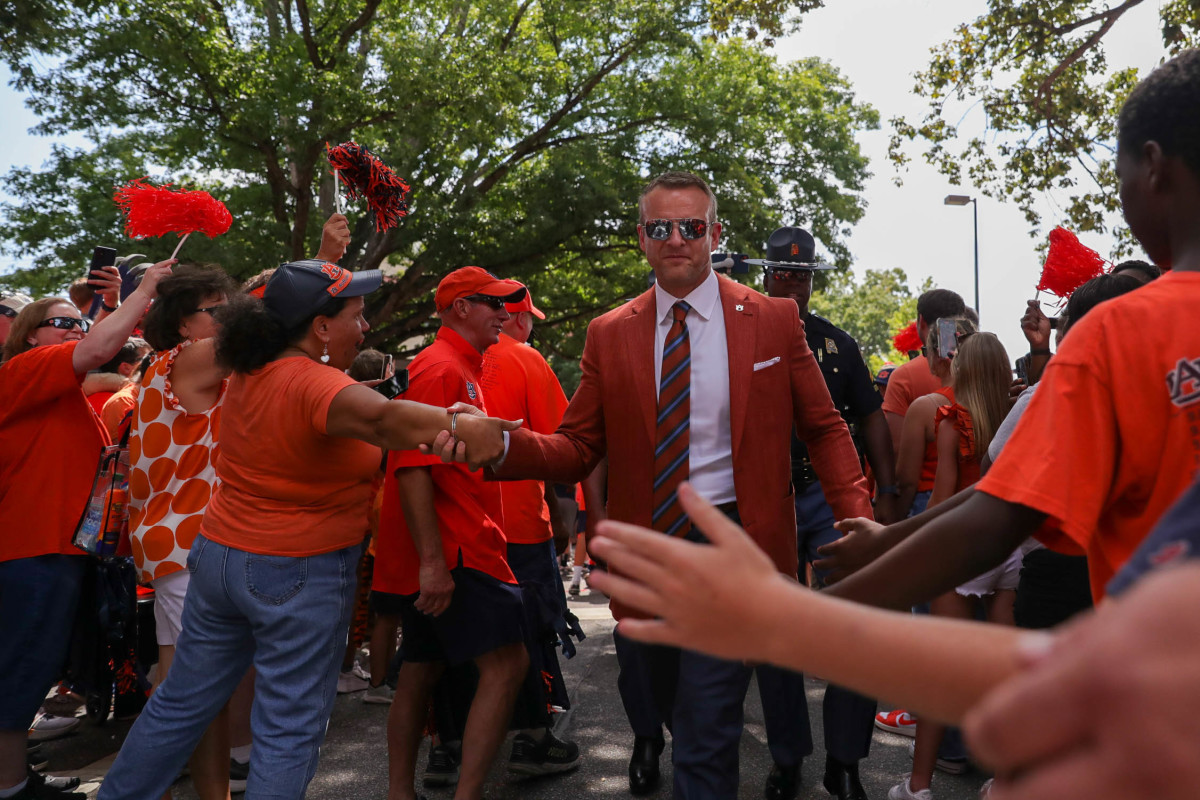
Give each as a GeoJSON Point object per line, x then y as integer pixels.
{"type": "Point", "coordinates": [107, 307]}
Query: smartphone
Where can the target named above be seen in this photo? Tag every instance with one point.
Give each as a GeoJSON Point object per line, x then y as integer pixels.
{"type": "Point", "coordinates": [101, 257]}
{"type": "Point", "coordinates": [947, 337]}
{"type": "Point", "coordinates": [388, 358]}
{"type": "Point", "coordinates": [394, 386]}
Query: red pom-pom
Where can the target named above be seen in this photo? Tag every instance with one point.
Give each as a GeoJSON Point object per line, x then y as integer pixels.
{"type": "Point", "coordinates": [152, 211]}
{"type": "Point", "coordinates": [1069, 264]}
{"type": "Point", "coordinates": [907, 340]}
{"type": "Point", "coordinates": [367, 177]}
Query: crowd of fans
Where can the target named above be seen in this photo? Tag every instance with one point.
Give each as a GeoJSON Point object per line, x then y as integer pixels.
{"type": "Point", "coordinates": [310, 524]}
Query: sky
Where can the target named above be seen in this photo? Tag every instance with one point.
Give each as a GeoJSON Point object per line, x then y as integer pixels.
{"type": "Point", "coordinates": [879, 45]}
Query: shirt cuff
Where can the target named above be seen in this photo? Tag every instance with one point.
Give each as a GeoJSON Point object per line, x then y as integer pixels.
{"type": "Point", "coordinates": [500, 461]}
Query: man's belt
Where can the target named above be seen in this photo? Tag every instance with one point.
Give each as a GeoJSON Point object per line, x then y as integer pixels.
{"type": "Point", "coordinates": [803, 474]}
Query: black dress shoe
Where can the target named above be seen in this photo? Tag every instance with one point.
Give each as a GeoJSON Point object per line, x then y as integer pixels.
{"type": "Point", "coordinates": [841, 780]}
{"type": "Point", "coordinates": [782, 782]}
{"type": "Point", "coordinates": [643, 767]}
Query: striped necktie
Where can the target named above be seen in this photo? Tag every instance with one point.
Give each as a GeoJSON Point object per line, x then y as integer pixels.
{"type": "Point", "coordinates": [674, 415]}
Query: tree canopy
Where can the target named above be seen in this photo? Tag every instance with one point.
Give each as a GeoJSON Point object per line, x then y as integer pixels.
{"type": "Point", "coordinates": [871, 310]}
{"type": "Point", "coordinates": [1040, 72]}
{"type": "Point", "coordinates": [526, 128]}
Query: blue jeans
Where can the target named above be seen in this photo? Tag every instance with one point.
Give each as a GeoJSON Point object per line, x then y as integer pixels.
{"type": "Point", "coordinates": [289, 616]}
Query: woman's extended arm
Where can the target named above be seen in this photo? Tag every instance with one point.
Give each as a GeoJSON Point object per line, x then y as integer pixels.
{"type": "Point", "coordinates": [361, 413]}
{"type": "Point", "coordinates": [110, 333]}
{"type": "Point", "coordinates": [698, 592]}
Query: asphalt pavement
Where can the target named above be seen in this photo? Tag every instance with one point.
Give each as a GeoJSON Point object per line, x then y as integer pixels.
{"type": "Point", "coordinates": [354, 758]}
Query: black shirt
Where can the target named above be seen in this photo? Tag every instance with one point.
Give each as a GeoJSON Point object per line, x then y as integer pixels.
{"type": "Point", "coordinates": [846, 376]}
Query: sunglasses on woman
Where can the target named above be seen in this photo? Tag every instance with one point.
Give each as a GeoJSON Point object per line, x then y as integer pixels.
{"type": "Point", "coordinates": [65, 323]}
{"type": "Point", "coordinates": [660, 229]}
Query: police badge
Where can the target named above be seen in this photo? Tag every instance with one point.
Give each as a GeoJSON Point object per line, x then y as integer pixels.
{"type": "Point", "coordinates": [830, 346]}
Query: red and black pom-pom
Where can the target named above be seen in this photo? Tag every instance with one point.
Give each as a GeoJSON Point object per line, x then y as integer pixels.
{"type": "Point", "coordinates": [1069, 264]}
{"type": "Point", "coordinates": [152, 211]}
{"type": "Point", "coordinates": [907, 340]}
{"type": "Point", "coordinates": [367, 177]}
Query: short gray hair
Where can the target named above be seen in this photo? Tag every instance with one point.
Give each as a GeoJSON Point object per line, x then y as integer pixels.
{"type": "Point", "coordinates": [678, 180]}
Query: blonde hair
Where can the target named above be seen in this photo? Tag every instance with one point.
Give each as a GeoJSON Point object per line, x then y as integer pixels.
{"type": "Point", "coordinates": [981, 380]}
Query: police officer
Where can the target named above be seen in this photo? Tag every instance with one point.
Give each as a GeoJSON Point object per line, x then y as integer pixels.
{"type": "Point", "coordinates": [848, 717]}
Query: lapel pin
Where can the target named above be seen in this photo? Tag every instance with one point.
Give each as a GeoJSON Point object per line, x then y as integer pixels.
{"type": "Point", "coordinates": [738, 308]}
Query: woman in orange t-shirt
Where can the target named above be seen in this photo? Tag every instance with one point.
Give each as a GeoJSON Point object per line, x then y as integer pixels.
{"type": "Point", "coordinates": [274, 563]}
{"type": "Point", "coordinates": [50, 442]}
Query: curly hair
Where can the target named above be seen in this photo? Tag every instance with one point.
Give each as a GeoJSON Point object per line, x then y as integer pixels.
{"type": "Point", "coordinates": [1165, 108]}
{"type": "Point", "coordinates": [251, 337]}
{"type": "Point", "coordinates": [180, 295]}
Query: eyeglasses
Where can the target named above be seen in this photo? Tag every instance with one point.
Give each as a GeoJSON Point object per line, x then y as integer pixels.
{"type": "Point", "coordinates": [790, 274]}
{"type": "Point", "coordinates": [660, 229]}
{"type": "Point", "coordinates": [494, 303]}
{"type": "Point", "coordinates": [65, 323]}
{"type": "Point", "coordinates": [8, 312]}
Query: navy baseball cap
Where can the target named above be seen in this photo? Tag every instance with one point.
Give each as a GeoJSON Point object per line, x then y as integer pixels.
{"type": "Point", "coordinates": [299, 288]}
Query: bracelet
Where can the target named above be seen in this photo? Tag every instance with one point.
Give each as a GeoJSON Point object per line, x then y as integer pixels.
{"type": "Point", "coordinates": [107, 307]}
{"type": "Point", "coordinates": [454, 425]}
{"type": "Point", "coordinates": [1040, 352]}
{"type": "Point", "coordinates": [888, 490]}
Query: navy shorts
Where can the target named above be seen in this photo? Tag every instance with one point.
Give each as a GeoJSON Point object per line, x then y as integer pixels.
{"type": "Point", "coordinates": [38, 600]}
{"type": "Point", "coordinates": [386, 603]}
{"type": "Point", "coordinates": [485, 614]}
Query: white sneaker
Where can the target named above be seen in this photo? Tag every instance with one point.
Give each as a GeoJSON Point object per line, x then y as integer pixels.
{"type": "Point", "coordinates": [50, 726]}
{"type": "Point", "coordinates": [361, 671]}
{"type": "Point", "coordinates": [903, 791]}
{"type": "Point", "coordinates": [381, 694]}
{"type": "Point", "coordinates": [349, 682]}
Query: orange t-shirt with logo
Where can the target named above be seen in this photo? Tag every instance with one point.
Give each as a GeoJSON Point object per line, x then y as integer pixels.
{"type": "Point", "coordinates": [1112, 436]}
{"type": "Point", "coordinates": [520, 385]}
{"type": "Point", "coordinates": [50, 444]}
{"type": "Point", "coordinates": [908, 382]}
{"type": "Point", "coordinates": [468, 508]}
{"type": "Point", "coordinates": [286, 487]}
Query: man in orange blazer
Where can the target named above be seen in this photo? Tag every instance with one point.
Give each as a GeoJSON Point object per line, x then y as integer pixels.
{"type": "Point", "coordinates": [748, 376]}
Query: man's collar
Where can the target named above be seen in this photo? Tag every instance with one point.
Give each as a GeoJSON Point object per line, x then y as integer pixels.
{"type": "Point", "coordinates": [460, 345]}
{"type": "Point", "coordinates": [704, 299]}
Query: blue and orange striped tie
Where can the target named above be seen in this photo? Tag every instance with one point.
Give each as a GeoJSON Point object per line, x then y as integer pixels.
{"type": "Point", "coordinates": [674, 416]}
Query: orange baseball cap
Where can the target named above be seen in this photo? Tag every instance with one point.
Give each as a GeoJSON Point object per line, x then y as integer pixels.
{"type": "Point", "coordinates": [525, 304]}
{"type": "Point", "coordinates": [467, 281]}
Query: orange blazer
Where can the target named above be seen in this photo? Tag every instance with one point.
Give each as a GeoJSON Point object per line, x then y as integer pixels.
{"type": "Point", "coordinates": [774, 382]}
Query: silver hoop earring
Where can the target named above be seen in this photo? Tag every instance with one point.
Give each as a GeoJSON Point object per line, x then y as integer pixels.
{"type": "Point", "coordinates": [325, 354]}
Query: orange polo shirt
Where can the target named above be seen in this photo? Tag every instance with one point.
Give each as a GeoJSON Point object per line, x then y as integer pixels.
{"type": "Point", "coordinates": [1112, 436]}
{"type": "Point", "coordinates": [50, 445]}
{"type": "Point", "coordinates": [468, 508]}
{"type": "Point", "coordinates": [520, 385]}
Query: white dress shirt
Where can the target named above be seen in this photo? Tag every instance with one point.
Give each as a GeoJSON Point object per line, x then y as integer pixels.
{"type": "Point", "coordinates": [710, 453]}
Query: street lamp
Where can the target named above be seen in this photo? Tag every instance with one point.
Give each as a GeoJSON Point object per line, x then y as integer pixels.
{"type": "Point", "coordinates": [962, 200]}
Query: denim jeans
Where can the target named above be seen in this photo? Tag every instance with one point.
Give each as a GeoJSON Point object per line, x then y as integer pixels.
{"type": "Point", "coordinates": [289, 617]}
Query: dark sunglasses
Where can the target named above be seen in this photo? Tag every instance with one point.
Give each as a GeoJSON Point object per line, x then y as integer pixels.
{"type": "Point", "coordinates": [788, 274]}
{"type": "Point", "coordinates": [660, 229]}
{"type": "Point", "coordinates": [494, 303]}
{"type": "Point", "coordinates": [65, 323]}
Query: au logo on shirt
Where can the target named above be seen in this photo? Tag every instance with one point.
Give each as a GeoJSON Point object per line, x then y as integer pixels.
{"type": "Point", "coordinates": [471, 390]}
{"type": "Point", "coordinates": [1184, 382]}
